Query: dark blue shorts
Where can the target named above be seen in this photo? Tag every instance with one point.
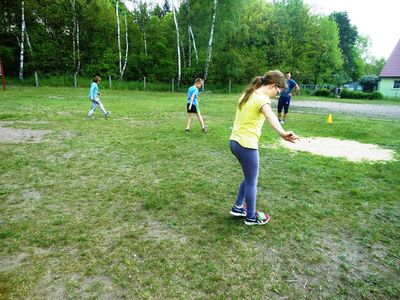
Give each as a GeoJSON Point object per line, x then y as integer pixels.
{"type": "Point", "coordinates": [283, 104]}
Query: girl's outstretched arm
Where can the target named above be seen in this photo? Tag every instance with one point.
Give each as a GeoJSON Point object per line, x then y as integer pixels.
{"type": "Point", "coordinates": [273, 121]}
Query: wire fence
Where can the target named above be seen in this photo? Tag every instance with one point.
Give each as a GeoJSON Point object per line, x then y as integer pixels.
{"type": "Point", "coordinates": [109, 82]}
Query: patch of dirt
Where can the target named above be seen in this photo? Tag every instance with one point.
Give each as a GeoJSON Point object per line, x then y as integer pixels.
{"type": "Point", "coordinates": [56, 97]}
{"type": "Point", "coordinates": [17, 135]}
{"type": "Point", "coordinates": [20, 203]}
{"type": "Point", "coordinates": [12, 262]}
{"type": "Point", "coordinates": [22, 135]}
{"type": "Point", "coordinates": [351, 150]}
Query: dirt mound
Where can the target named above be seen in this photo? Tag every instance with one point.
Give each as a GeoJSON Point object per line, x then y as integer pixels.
{"type": "Point", "coordinates": [351, 150]}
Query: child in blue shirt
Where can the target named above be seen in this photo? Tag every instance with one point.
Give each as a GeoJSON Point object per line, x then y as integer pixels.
{"type": "Point", "coordinates": [193, 105]}
{"type": "Point", "coordinates": [94, 97]}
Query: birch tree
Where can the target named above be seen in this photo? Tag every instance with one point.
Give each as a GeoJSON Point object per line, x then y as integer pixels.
{"type": "Point", "coordinates": [126, 47]}
{"type": "Point", "coordinates": [210, 41]}
{"type": "Point", "coordinates": [191, 39]}
{"type": "Point", "coordinates": [194, 43]}
{"type": "Point", "coordinates": [21, 43]}
{"type": "Point", "coordinates": [121, 68]}
{"type": "Point", "coordinates": [177, 42]}
{"type": "Point", "coordinates": [75, 43]}
{"type": "Point", "coordinates": [31, 52]}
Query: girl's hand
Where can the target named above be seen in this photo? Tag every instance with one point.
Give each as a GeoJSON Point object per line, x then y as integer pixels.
{"type": "Point", "coordinates": [290, 136]}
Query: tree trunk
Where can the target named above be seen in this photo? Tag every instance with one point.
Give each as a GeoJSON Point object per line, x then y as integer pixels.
{"type": "Point", "coordinates": [189, 48]}
{"type": "Point", "coordinates": [75, 43]}
{"type": "Point", "coordinates": [183, 55]}
{"type": "Point", "coordinates": [21, 56]}
{"type": "Point", "coordinates": [189, 38]}
{"type": "Point", "coordinates": [145, 41]}
{"type": "Point", "coordinates": [210, 41]}
{"type": "Point", "coordinates": [121, 68]}
{"type": "Point", "coordinates": [194, 44]}
{"type": "Point", "coordinates": [119, 40]}
{"type": "Point", "coordinates": [31, 52]}
{"type": "Point", "coordinates": [78, 48]}
{"type": "Point", "coordinates": [126, 48]}
{"type": "Point", "coordinates": [177, 42]}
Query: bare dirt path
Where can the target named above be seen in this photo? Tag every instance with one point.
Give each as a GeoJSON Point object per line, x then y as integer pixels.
{"type": "Point", "coordinates": [368, 110]}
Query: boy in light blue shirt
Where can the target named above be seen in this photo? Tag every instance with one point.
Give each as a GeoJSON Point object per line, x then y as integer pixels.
{"type": "Point", "coordinates": [94, 97]}
{"type": "Point", "coordinates": [193, 105]}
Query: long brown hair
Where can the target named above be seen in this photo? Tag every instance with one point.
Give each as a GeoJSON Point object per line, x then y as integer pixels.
{"type": "Point", "coordinates": [271, 77]}
{"type": "Point", "coordinates": [96, 78]}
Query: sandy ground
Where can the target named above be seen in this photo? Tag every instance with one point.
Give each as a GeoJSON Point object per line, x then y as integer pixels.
{"type": "Point", "coordinates": [351, 150]}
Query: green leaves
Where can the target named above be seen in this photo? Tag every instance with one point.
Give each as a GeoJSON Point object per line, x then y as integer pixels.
{"type": "Point", "coordinates": [250, 37]}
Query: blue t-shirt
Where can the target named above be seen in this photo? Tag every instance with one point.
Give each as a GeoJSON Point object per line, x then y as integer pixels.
{"type": "Point", "coordinates": [94, 89]}
{"type": "Point", "coordinates": [193, 90]}
{"type": "Point", "coordinates": [285, 94]}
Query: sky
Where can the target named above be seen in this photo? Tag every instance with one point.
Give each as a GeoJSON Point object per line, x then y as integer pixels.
{"type": "Point", "coordinates": [378, 20]}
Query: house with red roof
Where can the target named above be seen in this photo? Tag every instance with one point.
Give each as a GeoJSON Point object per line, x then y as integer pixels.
{"type": "Point", "coordinates": [389, 85]}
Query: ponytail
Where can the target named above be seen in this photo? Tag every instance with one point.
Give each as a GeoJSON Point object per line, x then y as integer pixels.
{"type": "Point", "coordinates": [256, 83]}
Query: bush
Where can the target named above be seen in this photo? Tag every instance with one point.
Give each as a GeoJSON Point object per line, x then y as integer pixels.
{"type": "Point", "coordinates": [322, 92]}
{"type": "Point", "coordinates": [360, 95]}
{"type": "Point", "coordinates": [345, 93]}
{"type": "Point", "coordinates": [376, 95]}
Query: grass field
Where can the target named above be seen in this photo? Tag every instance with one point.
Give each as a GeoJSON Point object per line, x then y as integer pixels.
{"type": "Point", "coordinates": [131, 207]}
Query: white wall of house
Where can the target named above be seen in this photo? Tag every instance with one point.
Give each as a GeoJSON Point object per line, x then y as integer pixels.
{"type": "Point", "coordinates": [390, 87]}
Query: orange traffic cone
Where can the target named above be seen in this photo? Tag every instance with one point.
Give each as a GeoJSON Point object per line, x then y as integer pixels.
{"type": "Point", "coordinates": [330, 120]}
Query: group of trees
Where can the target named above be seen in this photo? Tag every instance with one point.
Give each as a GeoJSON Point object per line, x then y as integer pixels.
{"type": "Point", "coordinates": [219, 40]}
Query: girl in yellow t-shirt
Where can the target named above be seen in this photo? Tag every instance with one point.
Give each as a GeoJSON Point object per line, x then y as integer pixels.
{"type": "Point", "coordinates": [253, 108]}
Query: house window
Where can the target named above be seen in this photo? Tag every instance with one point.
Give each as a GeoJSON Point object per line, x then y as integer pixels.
{"type": "Point", "coordinates": [396, 84]}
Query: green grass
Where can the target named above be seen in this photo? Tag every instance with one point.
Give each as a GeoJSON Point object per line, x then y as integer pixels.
{"type": "Point", "coordinates": [132, 207]}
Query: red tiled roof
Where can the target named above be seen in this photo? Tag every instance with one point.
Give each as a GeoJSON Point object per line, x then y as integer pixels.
{"type": "Point", "coordinates": [392, 66]}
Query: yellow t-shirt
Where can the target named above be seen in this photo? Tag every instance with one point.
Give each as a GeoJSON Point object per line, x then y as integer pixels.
{"type": "Point", "coordinates": [249, 121]}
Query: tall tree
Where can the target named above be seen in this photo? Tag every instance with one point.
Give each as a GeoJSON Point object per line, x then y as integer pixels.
{"type": "Point", "coordinates": [210, 41]}
{"type": "Point", "coordinates": [121, 67]}
{"type": "Point", "coordinates": [75, 42]}
{"type": "Point", "coordinates": [177, 42]}
{"type": "Point", "coordinates": [324, 56]}
{"type": "Point", "coordinates": [347, 41]}
{"type": "Point", "coordinates": [22, 41]}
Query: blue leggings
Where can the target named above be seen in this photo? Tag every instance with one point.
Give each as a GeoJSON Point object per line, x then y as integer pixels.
{"type": "Point", "coordinates": [249, 160]}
